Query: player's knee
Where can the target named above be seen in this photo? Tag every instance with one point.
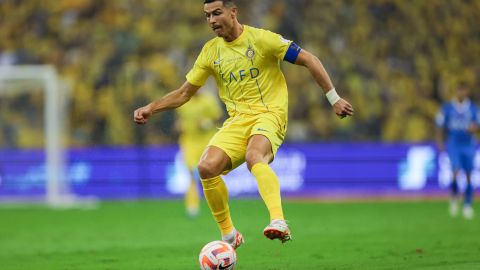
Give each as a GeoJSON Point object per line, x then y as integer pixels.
{"type": "Point", "coordinates": [207, 169]}
{"type": "Point", "coordinates": [254, 157]}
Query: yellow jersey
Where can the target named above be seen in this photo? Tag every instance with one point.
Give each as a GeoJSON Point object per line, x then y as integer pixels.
{"type": "Point", "coordinates": [247, 72]}
{"type": "Point", "coordinates": [198, 117]}
{"type": "Point", "coordinates": [198, 123]}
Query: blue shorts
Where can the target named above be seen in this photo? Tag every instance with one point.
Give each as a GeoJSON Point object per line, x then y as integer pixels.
{"type": "Point", "coordinates": [462, 157]}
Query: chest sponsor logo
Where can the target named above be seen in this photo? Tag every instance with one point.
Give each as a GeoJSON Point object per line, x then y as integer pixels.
{"type": "Point", "coordinates": [240, 75]}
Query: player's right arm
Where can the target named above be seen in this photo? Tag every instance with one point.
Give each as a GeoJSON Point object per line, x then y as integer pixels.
{"type": "Point", "coordinates": [195, 79]}
{"type": "Point", "coordinates": [172, 100]}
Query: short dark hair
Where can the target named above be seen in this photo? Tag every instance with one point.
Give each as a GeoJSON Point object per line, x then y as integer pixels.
{"type": "Point", "coordinates": [227, 3]}
{"type": "Point", "coordinates": [462, 85]}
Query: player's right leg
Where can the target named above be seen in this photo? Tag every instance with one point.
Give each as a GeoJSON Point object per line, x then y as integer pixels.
{"type": "Point", "coordinates": [213, 162]}
{"type": "Point", "coordinates": [235, 238]}
{"type": "Point", "coordinates": [454, 201]}
{"type": "Point", "coordinates": [454, 156]}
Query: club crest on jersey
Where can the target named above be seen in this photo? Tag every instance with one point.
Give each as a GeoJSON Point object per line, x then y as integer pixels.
{"type": "Point", "coordinates": [250, 53]}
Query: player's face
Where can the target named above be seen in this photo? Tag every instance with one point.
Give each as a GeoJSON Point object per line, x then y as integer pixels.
{"type": "Point", "coordinates": [462, 93]}
{"type": "Point", "coordinates": [220, 18]}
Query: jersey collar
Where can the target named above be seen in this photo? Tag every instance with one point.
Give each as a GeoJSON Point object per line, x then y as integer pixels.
{"type": "Point", "coordinates": [461, 106]}
{"type": "Point", "coordinates": [239, 38]}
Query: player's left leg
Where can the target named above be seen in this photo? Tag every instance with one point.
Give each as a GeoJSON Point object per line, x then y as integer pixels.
{"type": "Point", "coordinates": [467, 164]}
{"type": "Point", "coordinates": [259, 154]}
{"type": "Point", "coordinates": [454, 156]}
{"type": "Point", "coordinates": [454, 200]}
{"type": "Point", "coordinates": [468, 203]}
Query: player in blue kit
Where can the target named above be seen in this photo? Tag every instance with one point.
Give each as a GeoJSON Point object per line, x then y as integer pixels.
{"type": "Point", "coordinates": [458, 120]}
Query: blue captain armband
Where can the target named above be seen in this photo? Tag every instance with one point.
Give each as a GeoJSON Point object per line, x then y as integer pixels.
{"type": "Point", "coordinates": [292, 53]}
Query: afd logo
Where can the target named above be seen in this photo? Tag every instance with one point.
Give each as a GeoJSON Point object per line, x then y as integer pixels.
{"type": "Point", "coordinates": [240, 75]}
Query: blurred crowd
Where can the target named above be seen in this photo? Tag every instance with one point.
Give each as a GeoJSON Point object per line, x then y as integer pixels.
{"type": "Point", "coordinates": [395, 60]}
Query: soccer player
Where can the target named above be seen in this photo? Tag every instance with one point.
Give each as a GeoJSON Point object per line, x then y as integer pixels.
{"type": "Point", "coordinates": [245, 62]}
{"type": "Point", "coordinates": [457, 122]}
{"type": "Point", "coordinates": [197, 124]}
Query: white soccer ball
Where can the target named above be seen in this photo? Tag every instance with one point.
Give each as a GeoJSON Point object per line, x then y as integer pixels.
{"type": "Point", "coordinates": [217, 255]}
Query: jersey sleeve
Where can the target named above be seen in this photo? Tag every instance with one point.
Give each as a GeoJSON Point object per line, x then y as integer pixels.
{"type": "Point", "coordinates": [275, 44]}
{"type": "Point", "coordinates": [200, 71]}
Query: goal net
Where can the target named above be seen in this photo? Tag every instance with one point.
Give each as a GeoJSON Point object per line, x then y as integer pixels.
{"type": "Point", "coordinates": [32, 123]}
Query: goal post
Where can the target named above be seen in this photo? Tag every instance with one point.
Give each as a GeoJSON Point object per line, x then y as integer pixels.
{"type": "Point", "coordinates": [57, 192]}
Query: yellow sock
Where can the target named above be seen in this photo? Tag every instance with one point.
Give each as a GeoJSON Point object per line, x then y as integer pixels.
{"type": "Point", "coordinates": [192, 201]}
{"type": "Point", "coordinates": [216, 195]}
{"type": "Point", "coordinates": [269, 189]}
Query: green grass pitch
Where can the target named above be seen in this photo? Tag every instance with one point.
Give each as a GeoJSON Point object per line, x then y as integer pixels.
{"type": "Point", "coordinates": [157, 235]}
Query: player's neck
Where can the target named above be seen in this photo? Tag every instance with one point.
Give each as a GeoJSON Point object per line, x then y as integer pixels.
{"type": "Point", "coordinates": [461, 100]}
{"type": "Point", "coordinates": [237, 30]}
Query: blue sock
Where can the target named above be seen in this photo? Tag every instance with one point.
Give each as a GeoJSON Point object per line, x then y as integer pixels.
{"type": "Point", "coordinates": [454, 188]}
{"type": "Point", "coordinates": [469, 194]}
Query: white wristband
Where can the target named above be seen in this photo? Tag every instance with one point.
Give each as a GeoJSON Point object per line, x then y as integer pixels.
{"type": "Point", "coordinates": [332, 96]}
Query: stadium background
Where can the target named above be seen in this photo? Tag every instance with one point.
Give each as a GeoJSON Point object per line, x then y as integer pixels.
{"type": "Point", "coordinates": [396, 61]}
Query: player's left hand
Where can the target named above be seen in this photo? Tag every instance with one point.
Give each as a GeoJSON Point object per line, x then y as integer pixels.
{"type": "Point", "coordinates": [473, 128]}
{"type": "Point", "coordinates": [342, 108]}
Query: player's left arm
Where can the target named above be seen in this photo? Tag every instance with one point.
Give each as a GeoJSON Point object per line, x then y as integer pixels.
{"type": "Point", "coordinates": [304, 58]}
{"type": "Point", "coordinates": [474, 126]}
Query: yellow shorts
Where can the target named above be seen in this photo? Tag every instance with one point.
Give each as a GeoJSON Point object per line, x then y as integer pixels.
{"type": "Point", "coordinates": [236, 131]}
{"type": "Point", "coordinates": [192, 149]}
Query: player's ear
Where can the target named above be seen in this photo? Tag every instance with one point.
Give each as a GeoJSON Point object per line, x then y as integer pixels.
{"type": "Point", "coordinates": [233, 12]}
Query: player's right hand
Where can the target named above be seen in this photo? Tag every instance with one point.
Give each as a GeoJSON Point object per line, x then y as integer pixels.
{"type": "Point", "coordinates": [141, 115]}
{"type": "Point", "coordinates": [342, 108]}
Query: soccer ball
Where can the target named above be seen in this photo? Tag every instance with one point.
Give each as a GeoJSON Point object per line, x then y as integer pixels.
{"type": "Point", "coordinates": [217, 255]}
